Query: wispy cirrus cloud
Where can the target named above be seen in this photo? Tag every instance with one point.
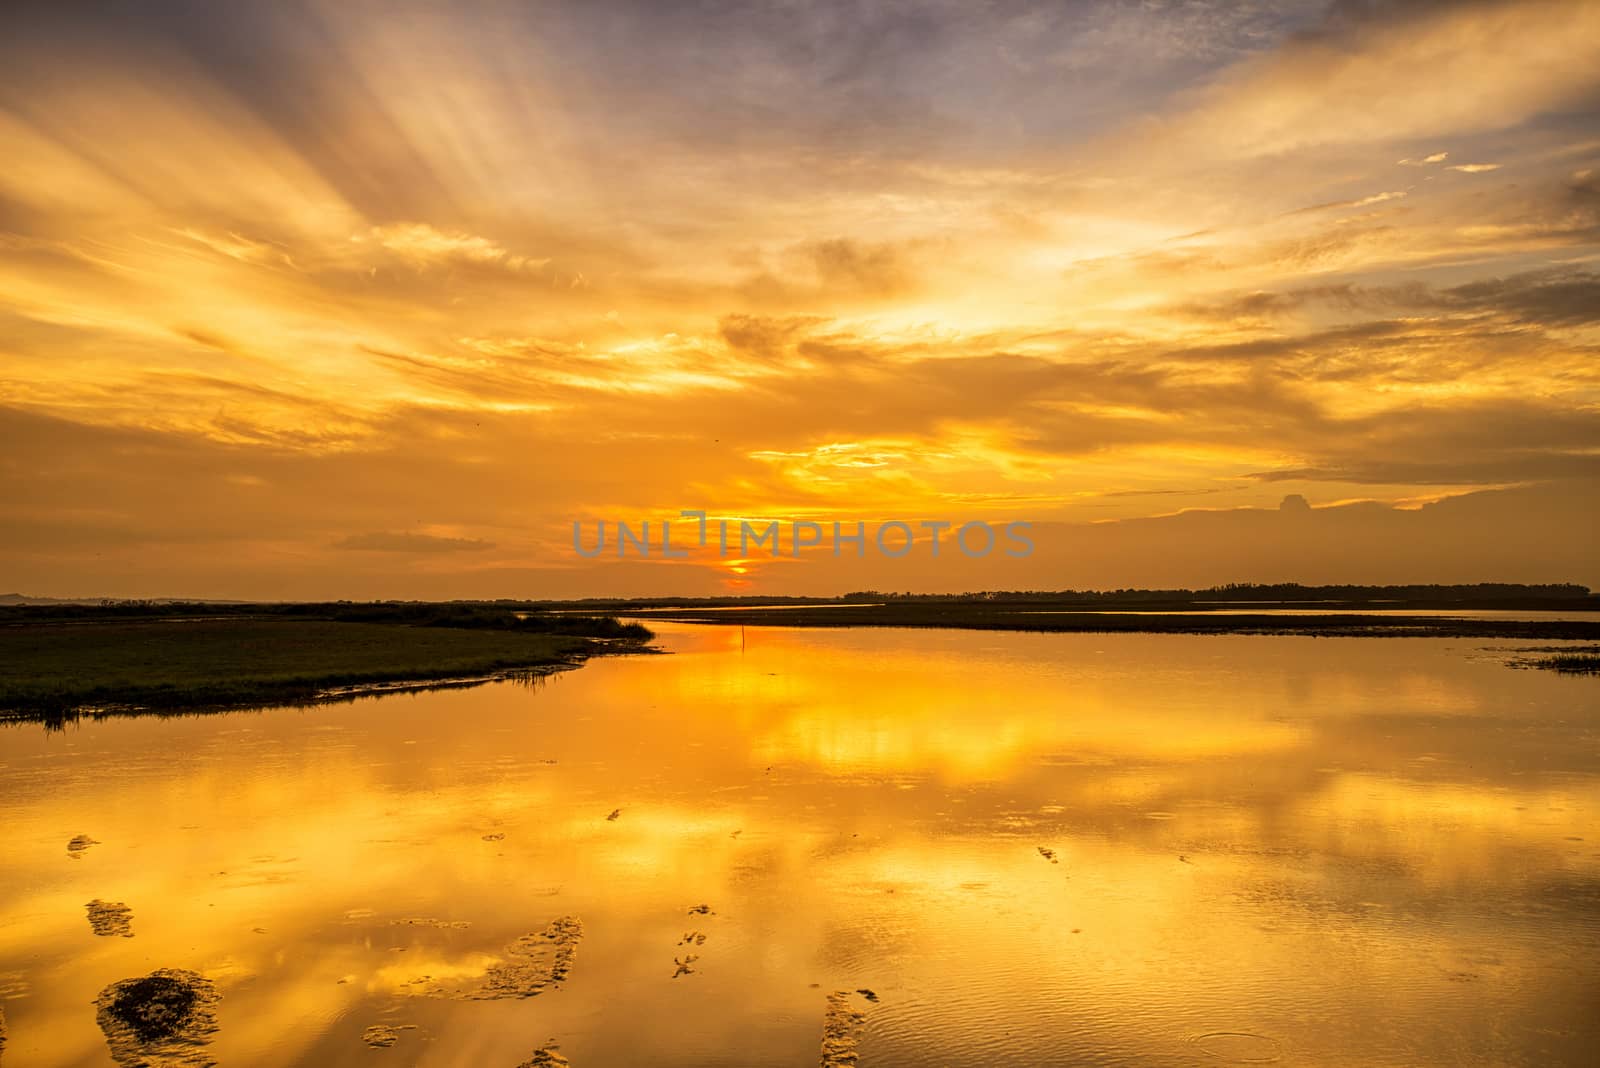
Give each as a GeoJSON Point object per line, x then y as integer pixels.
{"type": "Point", "coordinates": [389, 542]}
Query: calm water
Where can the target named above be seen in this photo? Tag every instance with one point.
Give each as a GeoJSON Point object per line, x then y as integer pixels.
{"type": "Point", "coordinates": [1033, 849]}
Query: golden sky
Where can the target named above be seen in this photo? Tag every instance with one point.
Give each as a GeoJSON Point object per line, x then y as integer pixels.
{"type": "Point", "coordinates": [356, 299]}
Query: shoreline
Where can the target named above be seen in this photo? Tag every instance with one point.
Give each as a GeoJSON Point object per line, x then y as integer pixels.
{"type": "Point", "coordinates": [54, 670]}
{"type": "Point", "coordinates": [332, 695]}
{"type": "Point", "coordinates": [55, 673]}
{"type": "Point", "coordinates": [971, 617]}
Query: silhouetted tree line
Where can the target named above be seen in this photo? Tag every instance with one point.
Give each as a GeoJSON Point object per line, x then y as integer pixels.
{"type": "Point", "coordinates": [593, 617]}
{"type": "Point", "coordinates": [1480, 592]}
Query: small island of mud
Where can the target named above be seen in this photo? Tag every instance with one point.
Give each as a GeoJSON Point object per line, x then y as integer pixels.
{"type": "Point", "coordinates": [163, 1020]}
{"type": "Point", "coordinates": [526, 967]}
{"type": "Point", "coordinates": [382, 1036]}
{"type": "Point", "coordinates": [841, 1028]}
{"type": "Point", "coordinates": [109, 919]}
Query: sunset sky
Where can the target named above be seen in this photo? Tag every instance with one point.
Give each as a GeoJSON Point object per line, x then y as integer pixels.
{"type": "Point", "coordinates": [349, 299]}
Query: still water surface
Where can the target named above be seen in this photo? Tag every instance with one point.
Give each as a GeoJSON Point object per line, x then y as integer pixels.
{"type": "Point", "coordinates": [1032, 849]}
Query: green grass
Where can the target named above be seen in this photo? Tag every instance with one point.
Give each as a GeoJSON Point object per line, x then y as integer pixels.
{"type": "Point", "coordinates": [54, 668]}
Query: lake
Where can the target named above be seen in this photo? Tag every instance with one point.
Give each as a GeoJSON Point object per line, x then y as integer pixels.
{"type": "Point", "coordinates": [936, 848]}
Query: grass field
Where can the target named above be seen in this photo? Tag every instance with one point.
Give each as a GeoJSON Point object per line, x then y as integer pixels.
{"type": "Point", "coordinates": [51, 667]}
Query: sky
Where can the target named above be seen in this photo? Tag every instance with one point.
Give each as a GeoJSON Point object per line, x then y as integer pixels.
{"type": "Point", "coordinates": [348, 299]}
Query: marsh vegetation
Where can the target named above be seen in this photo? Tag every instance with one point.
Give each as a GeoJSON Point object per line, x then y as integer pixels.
{"type": "Point", "coordinates": [60, 660]}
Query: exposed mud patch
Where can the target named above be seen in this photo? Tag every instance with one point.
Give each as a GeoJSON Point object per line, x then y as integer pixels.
{"type": "Point", "coordinates": [429, 921]}
{"type": "Point", "coordinates": [2, 1032]}
{"type": "Point", "coordinates": [528, 966]}
{"type": "Point", "coordinates": [685, 964]}
{"type": "Point", "coordinates": [841, 1030]}
{"type": "Point", "coordinates": [545, 1057]}
{"type": "Point", "coordinates": [110, 918]}
{"type": "Point", "coordinates": [1048, 854]}
{"type": "Point", "coordinates": [497, 836]}
{"type": "Point", "coordinates": [163, 1020]}
{"type": "Point", "coordinates": [382, 1036]}
{"type": "Point", "coordinates": [612, 818]}
{"type": "Point", "coordinates": [79, 843]}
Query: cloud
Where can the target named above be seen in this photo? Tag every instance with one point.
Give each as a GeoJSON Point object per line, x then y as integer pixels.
{"type": "Point", "coordinates": [765, 337]}
{"type": "Point", "coordinates": [1547, 298]}
{"type": "Point", "coordinates": [842, 262]}
{"type": "Point", "coordinates": [421, 246]}
{"type": "Point", "coordinates": [411, 543]}
{"type": "Point", "coordinates": [1441, 69]}
{"type": "Point", "coordinates": [1359, 202]}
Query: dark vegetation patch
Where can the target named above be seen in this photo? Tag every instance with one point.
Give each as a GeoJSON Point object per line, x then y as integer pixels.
{"type": "Point", "coordinates": [1583, 661]}
{"type": "Point", "coordinates": [59, 661]}
{"type": "Point", "coordinates": [1054, 617]}
{"type": "Point", "coordinates": [1494, 595]}
{"type": "Point", "coordinates": [110, 919]}
{"type": "Point", "coordinates": [165, 1018]}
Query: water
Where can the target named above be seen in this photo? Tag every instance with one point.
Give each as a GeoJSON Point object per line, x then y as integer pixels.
{"type": "Point", "coordinates": [1032, 849]}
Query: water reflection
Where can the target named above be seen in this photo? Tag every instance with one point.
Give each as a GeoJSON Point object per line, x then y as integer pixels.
{"type": "Point", "coordinates": [1264, 849]}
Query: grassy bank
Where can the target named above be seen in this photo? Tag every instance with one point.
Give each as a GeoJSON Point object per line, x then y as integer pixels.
{"type": "Point", "coordinates": [50, 667]}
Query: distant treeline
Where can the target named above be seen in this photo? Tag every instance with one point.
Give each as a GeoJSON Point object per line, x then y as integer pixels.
{"type": "Point", "coordinates": [595, 616]}
{"type": "Point", "coordinates": [1480, 592]}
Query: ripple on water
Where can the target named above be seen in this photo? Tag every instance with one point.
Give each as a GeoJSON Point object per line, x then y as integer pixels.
{"type": "Point", "coordinates": [1239, 1047]}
